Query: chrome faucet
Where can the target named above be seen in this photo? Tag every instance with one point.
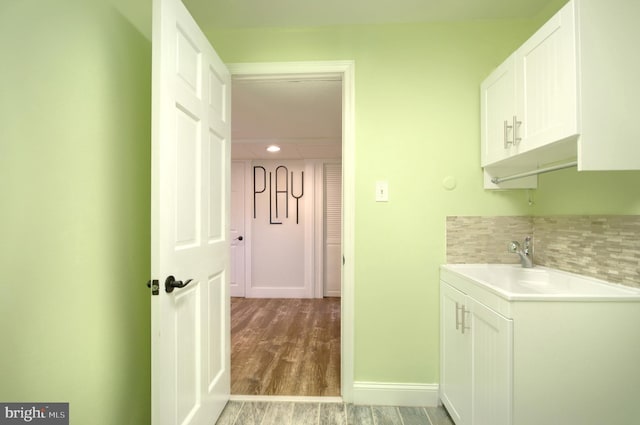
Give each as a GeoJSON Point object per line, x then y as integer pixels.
{"type": "Point", "coordinates": [526, 254]}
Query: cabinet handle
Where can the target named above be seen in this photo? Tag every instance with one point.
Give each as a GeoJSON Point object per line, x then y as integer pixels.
{"type": "Point", "coordinates": [464, 320]}
{"type": "Point", "coordinates": [515, 126]}
{"type": "Point", "coordinates": [507, 142]}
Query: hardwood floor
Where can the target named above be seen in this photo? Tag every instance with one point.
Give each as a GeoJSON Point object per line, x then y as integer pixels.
{"type": "Point", "coordinates": [285, 347]}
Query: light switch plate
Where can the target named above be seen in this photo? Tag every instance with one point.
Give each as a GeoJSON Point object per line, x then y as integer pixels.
{"type": "Point", "coordinates": [382, 191]}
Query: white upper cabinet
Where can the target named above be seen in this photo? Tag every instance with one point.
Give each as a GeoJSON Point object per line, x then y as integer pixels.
{"type": "Point", "coordinates": [569, 93]}
{"type": "Point", "coordinates": [609, 84]}
{"type": "Point", "coordinates": [546, 84]}
{"type": "Point", "coordinates": [498, 107]}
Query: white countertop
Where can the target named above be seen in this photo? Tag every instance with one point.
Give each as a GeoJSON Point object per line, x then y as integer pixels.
{"type": "Point", "coordinates": [514, 282]}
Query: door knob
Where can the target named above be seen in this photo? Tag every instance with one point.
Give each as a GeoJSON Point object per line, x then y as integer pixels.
{"type": "Point", "coordinates": [171, 283]}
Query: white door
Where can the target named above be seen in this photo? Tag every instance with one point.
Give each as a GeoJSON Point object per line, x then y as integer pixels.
{"type": "Point", "coordinates": [238, 236]}
{"type": "Point", "coordinates": [190, 221]}
{"type": "Point", "coordinates": [332, 229]}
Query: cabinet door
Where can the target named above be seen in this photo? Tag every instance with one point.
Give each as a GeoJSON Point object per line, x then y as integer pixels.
{"type": "Point", "coordinates": [546, 83]}
{"type": "Point", "coordinates": [455, 361]}
{"type": "Point", "coordinates": [497, 109]}
{"type": "Point", "coordinates": [492, 365]}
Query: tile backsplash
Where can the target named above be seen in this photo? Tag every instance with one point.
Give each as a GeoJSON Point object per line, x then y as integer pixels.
{"type": "Point", "coordinates": [603, 246]}
{"type": "Point", "coordinates": [473, 239]}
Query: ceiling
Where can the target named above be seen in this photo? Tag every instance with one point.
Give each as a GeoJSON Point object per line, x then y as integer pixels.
{"type": "Point", "coordinates": [300, 13]}
{"type": "Point", "coordinates": [302, 116]}
{"type": "Point", "coordinates": [212, 14]}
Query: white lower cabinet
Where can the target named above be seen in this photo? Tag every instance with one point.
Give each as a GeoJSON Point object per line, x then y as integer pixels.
{"type": "Point", "coordinates": [476, 360]}
{"type": "Point", "coordinates": [533, 360]}
{"type": "Point", "coordinates": [455, 357]}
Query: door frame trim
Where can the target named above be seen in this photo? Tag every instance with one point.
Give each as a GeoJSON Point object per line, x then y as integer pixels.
{"type": "Point", "coordinates": [346, 71]}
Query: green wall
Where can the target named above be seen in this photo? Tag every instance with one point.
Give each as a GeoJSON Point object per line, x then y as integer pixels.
{"type": "Point", "coordinates": [417, 122]}
{"type": "Point", "coordinates": [588, 192]}
{"type": "Point", "coordinates": [75, 190]}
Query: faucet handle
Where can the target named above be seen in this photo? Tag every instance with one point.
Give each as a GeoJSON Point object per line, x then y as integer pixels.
{"type": "Point", "coordinates": [513, 247]}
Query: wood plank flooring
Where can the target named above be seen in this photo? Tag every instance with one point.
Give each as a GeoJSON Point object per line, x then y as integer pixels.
{"type": "Point", "coordinates": [289, 413]}
{"type": "Point", "coordinates": [285, 347]}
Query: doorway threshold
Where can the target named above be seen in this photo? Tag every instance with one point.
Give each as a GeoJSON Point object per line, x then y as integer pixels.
{"type": "Point", "coordinates": [285, 398]}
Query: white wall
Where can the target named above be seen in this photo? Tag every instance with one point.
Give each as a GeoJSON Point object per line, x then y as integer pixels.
{"type": "Point", "coordinates": [282, 229]}
{"type": "Point", "coordinates": [286, 256]}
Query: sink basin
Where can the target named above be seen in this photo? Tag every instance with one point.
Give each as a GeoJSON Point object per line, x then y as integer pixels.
{"type": "Point", "coordinates": [514, 282]}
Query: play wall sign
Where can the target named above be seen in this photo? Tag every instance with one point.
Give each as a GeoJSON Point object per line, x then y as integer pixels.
{"type": "Point", "coordinates": [34, 413]}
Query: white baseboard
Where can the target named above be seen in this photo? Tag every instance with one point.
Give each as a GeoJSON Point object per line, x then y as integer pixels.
{"type": "Point", "coordinates": [267, 292]}
{"type": "Point", "coordinates": [395, 394]}
{"type": "Point", "coordinates": [284, 398]}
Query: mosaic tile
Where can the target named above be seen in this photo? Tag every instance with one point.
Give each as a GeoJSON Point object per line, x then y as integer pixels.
{"type": "Point", "coordinates": [604, 247]}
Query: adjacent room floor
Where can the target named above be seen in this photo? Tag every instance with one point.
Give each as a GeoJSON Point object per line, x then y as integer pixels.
{"type": "Point", "coordinates": [285, 347]}
{"type": "Point", "coordinates": [291, 347]}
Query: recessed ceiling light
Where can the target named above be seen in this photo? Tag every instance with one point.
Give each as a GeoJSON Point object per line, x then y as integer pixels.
{"type": "Point", "coordinates": [273, 148]}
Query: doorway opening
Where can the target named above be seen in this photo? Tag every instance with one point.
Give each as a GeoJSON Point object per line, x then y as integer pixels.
{"type": "Point", "coordinates": [312, 159]}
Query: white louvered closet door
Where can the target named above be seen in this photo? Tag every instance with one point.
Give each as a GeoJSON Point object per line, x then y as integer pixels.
{"type": "Point", "coordinates": [332, 229]}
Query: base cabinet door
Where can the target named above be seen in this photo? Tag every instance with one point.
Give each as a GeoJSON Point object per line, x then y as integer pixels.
{"type": "Point", "coordinates": [455, 366]}
{"type": "Point", "coordinates": [491, 365]}
{"type": "Point", "coordinates": [476, 370]}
